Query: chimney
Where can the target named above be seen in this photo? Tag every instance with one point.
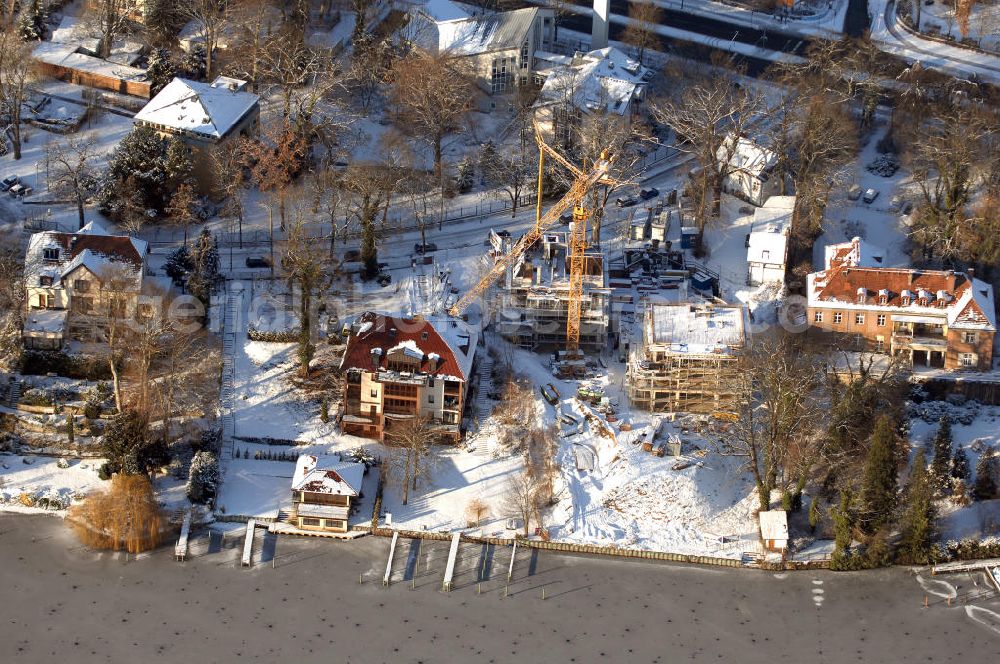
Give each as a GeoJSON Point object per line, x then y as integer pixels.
{"type": "Point", "coordinates": [971, 272]}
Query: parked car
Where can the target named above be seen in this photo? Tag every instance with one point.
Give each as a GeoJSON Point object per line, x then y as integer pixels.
{"type": "Point", "coordinates": [854, 192]}
{"type": "Point", "coordinates": [9, 182]}
{"type": "Point", "coordinates": [870, 195]}
{"type": "Point", "coordinates": [625, 201]}
{"type": "Point", "coordinates": [424, 248]}
{"type": "Point", "coordinates": [19, 191]}
{"type": "Point", "coordinates": [647, 194]}
{"type": "Point", "coordinates": [258, 262]}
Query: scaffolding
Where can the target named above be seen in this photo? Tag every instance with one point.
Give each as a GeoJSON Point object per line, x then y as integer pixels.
{"type": "Point", "coordinates": [689, 360]}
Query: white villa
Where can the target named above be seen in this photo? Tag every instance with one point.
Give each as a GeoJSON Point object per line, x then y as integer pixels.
{"type": "Point", "coordinates": [750, 170]}
{"type": "Point", "coordinates": [601, 81]}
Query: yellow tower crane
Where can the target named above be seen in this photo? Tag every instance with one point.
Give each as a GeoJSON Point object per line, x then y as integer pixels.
{"type": "Point", "coordinates": [597, 173]}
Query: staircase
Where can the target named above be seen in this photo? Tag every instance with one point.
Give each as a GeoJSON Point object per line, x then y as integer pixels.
{"type": "Point", "coordinates": [14, 393]}
{"type": "Point", "coordinates": [227, 396]}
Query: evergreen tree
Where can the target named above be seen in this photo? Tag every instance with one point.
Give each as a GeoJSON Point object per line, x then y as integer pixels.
{"type": "Point", "coordinates": [161, 70]}
{"type": "Point", "coordinates": [941, 464]}
{"type": "Point", "coordinates": [127, 447]}
{"type": "Point", "coordinates": [843, 531]}
{"type": "Point", "coordinates": [203, 478]}
{"type": "Point", "coordinates": [70, 428]}
{"type": "Point", "coordinates": [985, 487]}
{"type": "Point", "coordinates": [177, 163]}
{"type": "Point", "coordinates": [205, 267]}
{"type": "Point", "coordinates": [178, 265]}
{"type": "Point", "coordinates": [879, 485]}
{"type": "Point", "coordinates": [916, 546]}
{"type": "Point", "coordinates": [139, 158]}
{"type": "Point", "coordinates": [960, 465]}
{"type": "Point", "coordinates": [31, 20]}
{"type": "Point", "coordinates": [814, 514]}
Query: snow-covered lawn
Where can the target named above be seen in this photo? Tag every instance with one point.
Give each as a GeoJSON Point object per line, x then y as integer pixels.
{"type": "Point", "coordinates": [938, 18]}
{"type": "Point", "coordinates": [41, 477]}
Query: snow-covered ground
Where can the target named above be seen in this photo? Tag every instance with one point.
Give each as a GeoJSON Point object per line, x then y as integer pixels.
{"type": "Point", "coordinates": [41, 477]}
{"type": "Point", "coordinates": [938, 18]}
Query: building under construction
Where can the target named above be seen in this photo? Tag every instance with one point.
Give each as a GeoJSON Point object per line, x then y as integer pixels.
{"type": "Point", "coordinates": [533, 301]}
{"type": "Point", "coordinates": [688, 360]}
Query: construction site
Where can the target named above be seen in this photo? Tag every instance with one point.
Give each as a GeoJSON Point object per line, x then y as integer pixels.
{"type": "Point", "coordinates": [688, 359]}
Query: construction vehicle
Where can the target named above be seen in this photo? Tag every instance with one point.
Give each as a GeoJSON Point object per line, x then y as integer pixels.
{"type": "Point", "coordinates": [597, 173]}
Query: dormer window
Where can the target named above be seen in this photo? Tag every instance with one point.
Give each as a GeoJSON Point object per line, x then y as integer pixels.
{"type": "Point", "coordinates": [392, 333]}
{"type": "Point", "coordinates": [883, 296]}
{"type": "Point", "coordinates": [50, 253]}
{"type": "Point", "coordinates": [862, 295]}
{"type": "Point", "coordinates": [907, 298]}
{"type": "Point", "coordinates": [423, 336]}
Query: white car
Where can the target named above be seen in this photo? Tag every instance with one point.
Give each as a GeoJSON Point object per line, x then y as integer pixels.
{"type": "Point", "coordinates": [870, 195]}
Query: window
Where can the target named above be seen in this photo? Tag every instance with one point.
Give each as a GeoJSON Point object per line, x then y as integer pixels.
{"type": "Point", "coordinates": [880, 344]}
{"type": "Point", "coordinates": [81, 285]}
{"type": "Point", "coordinates": [145, 311]}
{"type": "Point", "coordinates": [967, 359]}
{"type": "Point", "coordinates": [501, 78]}
{"type": "Point", "coordinates": [334, 523]}
{"type": "Point", "coordinates": [970, 337]}
{"type": "Point", "coordinates": [818, 317]}
{"type": "Point", "coordinates": [423, 336]}
{"type": "Point", "coordinates": [859, 319]}
{"type": "Point", "coordinates": [46, 301]}
{"type": "Point", "coordinates": [307, 521]}
{"type": "Point", "coordinates": [765, 254]}
{"type": "Point", "coordinates": [880, 320]}
{"type": "Point", "coordinates": [883, 299]}
{"type": "Point", "coordinates": [430, 382]}
{"type": "Point", "coordinates": [838, 318]}
{"type": "Point", "coordinates": [374, 393]}
{"type": "Point", "coordinates": [45, 281]}
{"type": "Point", "coordinates": [430, 398]}
{"type": "Point", "coordinates": [50, 253]}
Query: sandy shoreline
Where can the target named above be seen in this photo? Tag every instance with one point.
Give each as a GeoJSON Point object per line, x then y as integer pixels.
{"type": "Point", "coordinates": [64, 603]}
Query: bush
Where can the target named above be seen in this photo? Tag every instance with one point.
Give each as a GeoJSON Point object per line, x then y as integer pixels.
{"type": "Point", "coordinates": [203, 478]}
{"type": "Point", "coordinates": [273, 336]}
{"type": "Point", "coordinates": [105, 471]}
{"type": "Point", "coordinates": [40, 363]}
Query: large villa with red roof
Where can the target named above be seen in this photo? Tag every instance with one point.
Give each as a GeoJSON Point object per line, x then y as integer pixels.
{"type": "Point", "coordinates": [400, 368]}
{"type": "Point", "coordinates": [937, 318]}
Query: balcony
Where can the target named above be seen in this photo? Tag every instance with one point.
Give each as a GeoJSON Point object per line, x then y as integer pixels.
{"type": "Point", "coordinates": [906, 341]}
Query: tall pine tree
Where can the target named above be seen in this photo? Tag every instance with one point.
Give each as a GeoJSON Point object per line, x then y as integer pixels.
{"type": "Point", "coordinates": [31, 20]}
{"type": "Point", "coordinates": [916, 546]}
{"type": "Point", "coordinates": [941, 464]}
{"type": "Point", "coordinates": [960, 465]}
{"type": "Point", "coordinates": [843, 531]}
{"type": "Point", "coordinates": [985, 487]}
{"type": "Point", "coordinates": [879, 485]}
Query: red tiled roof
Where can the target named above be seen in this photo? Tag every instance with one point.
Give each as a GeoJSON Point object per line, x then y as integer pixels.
{"type": "Point", "coordinates": [372, 330]}
{"type": "Point", "coordinates": [114, 247]}
{"type": "Point", "coordinates": [841, 284]}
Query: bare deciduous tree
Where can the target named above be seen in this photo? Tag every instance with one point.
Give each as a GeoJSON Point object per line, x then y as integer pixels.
{"type": "Point", "coordinates": [413, 437]}
{"type": "Point", "coordinates": [112, 19]}
{"type": "Point", "coordinates": [211, 17]}
{"type": "Point", "coordinates": [704, 114]}
{"type": "Point", "coordinates": [11, 301]}
{"type": "Point", "coordinates": [73, 174]}
{"type": "Point", "coordinates": [520, 497]}
{"type": "Point", "coordinates": [127, 517]}
{"type": "Point", "coordinates": [17, 75]}
{"type": "Point", "coordinates": [306, 264]}
{"type": "Point", "coordinates": [432, 95]}
{"type": "Point", "coordinates": [777, 408]}
{"type": "Point", "coordinates": [641, 29]}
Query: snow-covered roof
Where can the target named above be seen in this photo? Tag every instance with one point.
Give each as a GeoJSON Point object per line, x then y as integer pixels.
{"type": "Point", "coordinates": [748, 156]}
{"type": "Point", "coordinates": [769, 232]}
{"type": "Point", "coordinates": [66, 55]}
{"type": "Point", "coordinates": [604, 80]}
{"type": "Point", "coordinates": [855, 252]}
{"type": "Point", "coordinates": [45, 321]}
{"type": "Point", "coordinates": [774, 525]}
{"type": "Point", "coordinates": [204, 109]}
{"type": "Point", "coordinates": [92, 247]}
{"type": "Point", "coordinates": [442, 346]}
{"type": "Point", "coordinates": [328, 475]}
{"type": "Point", "coordinates": [696, 328]}
{"type": "Point", "coordinates": [442, 26]}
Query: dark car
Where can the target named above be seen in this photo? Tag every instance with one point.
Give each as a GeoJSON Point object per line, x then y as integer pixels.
{"type": "Point", "coordinates": [647, 194]}
{"type": "Point", "coordinates": [257, 261]}
{"type": "Point", "coordinates": [9, 182]}
{"type": "Point", "coordinates": [625, 201]}
{"type": "Point", "coordinates": [424, 248]}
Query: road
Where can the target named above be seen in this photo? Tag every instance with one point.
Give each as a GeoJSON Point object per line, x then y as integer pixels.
{"type": "Point", "coordinates": [66, 603]}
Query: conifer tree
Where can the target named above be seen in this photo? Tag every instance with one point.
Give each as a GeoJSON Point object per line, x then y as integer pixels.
{"type": "Point", "coordinates": [985, 487]}
{"type": "Point", "coordinates": [960, 465]}
{"type": "Point", "coordinates": [941, 464]}
{"type": "Point", "coordinates": [843, 530]}
{"type": "Point", "coordinates": [31, 20]}
{"type": "Point", "coordinates": [916, 546]}
{"type": "Point", "coordinates": [879, 485]}
{"type": "Point", "coordinates": [814, 514]}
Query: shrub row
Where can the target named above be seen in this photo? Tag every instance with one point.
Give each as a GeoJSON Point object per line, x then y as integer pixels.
{"type": "Point", "coordinates": [40, 363]}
